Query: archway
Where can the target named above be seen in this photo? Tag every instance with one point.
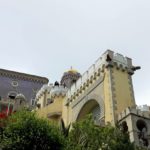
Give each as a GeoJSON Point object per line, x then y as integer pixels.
{"type": "Point", "coordinates": [91, 107]}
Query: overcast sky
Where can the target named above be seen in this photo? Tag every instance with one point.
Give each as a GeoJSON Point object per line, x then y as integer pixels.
{"type": "Point", "coordinates": [46, 37]}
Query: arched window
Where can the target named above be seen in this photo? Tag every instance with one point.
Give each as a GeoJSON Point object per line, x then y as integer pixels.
{"type": "Point", "coordinates": [12, 94]}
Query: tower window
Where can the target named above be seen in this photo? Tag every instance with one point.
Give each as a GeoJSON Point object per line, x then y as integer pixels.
{"type": "Point", "coordinates": [49, 101]}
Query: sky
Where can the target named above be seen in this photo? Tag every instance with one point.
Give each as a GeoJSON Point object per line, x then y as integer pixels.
{"type": "Point", "coordinates": [47, 37]}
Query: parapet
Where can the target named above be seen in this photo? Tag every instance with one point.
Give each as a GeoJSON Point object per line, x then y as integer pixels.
{"type": "Point", "coordinates": [44, 88]}
{"type": "Point", "coordinates": [133, 111]}
{"type": "Point", "coordinates": [108, 59]}
{"type": "Point", "coordinates": [58, 91]}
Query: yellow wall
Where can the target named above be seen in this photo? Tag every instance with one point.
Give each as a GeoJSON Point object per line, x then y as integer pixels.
{"type": "Point", "coordinates": [118, 93]}
{"type": "Point", "coordinates": [53, 108]}
{"type": "Point", "coordinates": [65, 112]}
{"type": "Point", "coordinates": [124, 95]}
{"type": "Point", "coordinates": [108, 98]}
{"type": "Point", "coordinates": [43, 99]}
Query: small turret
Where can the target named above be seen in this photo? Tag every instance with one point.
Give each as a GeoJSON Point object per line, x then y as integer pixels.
{"type": "Point", "coordinates": [70, 77]}
{"type": "Point", "coordinates": [58, 90]}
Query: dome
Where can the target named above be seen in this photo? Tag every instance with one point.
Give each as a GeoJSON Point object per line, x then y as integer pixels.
{"type": "Point", "coordinates": [70, 77]}
{"type": "Point", "coordinates": [72, 71]}
{"type": "Point", "coordinates": [20, 96]}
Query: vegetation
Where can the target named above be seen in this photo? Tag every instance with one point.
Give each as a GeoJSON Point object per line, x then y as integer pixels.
{"type": "Point", "coordinates": [24, 130]}
{"type": "Point", "coordinates": [86, 136]}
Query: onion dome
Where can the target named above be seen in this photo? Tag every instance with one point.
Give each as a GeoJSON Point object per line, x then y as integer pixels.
{"type": "Point", "coordinates": [70, 77]}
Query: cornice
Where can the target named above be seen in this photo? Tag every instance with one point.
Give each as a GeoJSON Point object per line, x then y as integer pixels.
{"type": "Point", "coordinates": [23, 76]}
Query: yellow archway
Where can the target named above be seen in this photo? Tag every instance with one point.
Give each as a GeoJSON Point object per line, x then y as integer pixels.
{"type": "Point", "coordinates": [91, 107]}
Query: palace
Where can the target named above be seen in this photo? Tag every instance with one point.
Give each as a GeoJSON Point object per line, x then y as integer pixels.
{"type": "Point", "coordinates": [18, 89]}
{"type": "Point", "coordinates": [105, 90]}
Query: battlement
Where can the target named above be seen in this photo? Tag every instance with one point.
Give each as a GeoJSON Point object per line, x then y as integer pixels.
{"type": "Point", "coordinates": [58, 91]}
{"type": "Point", "coordinates": [53, 90]}
{"type": "Point", "coordinates": [133, 111]}
{"type": "Point", "coordinates": [144, 107]}
{"type": "Point", "coordinates": [109, 58]}
{"type": "Point", "coordinates": [43, 90]}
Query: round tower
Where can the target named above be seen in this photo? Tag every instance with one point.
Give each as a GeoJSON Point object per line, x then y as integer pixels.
{"type": "Point", "coordinates": [57, 96]}
{"type": "Point", "coordinates": [58, 91]}
{"type": "Point", "coordinates": [70, 77]}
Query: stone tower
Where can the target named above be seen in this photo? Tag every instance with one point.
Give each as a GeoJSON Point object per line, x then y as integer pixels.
{"type": "Point", "coordinates": [136, 122]}
{"type": "Point", "coordinates": [105, 90]}
{"type": "Point", "coordinates": [53, 97]}
{"type": "Point", "coordinates": [106, 85]}
{"type": "Point", "coordinates": [70, 77]}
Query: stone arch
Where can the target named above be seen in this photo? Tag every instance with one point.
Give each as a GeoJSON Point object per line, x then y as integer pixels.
{"type": "Point", "coordinates": [90, 105]}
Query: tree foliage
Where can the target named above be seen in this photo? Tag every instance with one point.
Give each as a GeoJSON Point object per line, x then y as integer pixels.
{"type": "Point", "coordinates": [86, 136]}
{"type": "Point", "coordinates": [26, 131]}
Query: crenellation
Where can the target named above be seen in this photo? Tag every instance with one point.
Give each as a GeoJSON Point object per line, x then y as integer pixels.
{"type": "Point", "coordinates": [105, 86]}
{"type": "Point", "coordinates": [58, 91]}
{"type": "Point", "coordinates": [120, 59]}
{"type": "Point", "coordinates": [121, 62]}
{"type": "Point", "coordinates": [133, 111]}
{"type": "Point", "coordinates": [129, 61]}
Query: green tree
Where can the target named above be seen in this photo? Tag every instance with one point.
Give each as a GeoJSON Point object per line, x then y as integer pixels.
{"type": "Point", "coordinates": [26, 131]}
{"type": "Point", "coordinates": [86, 136]}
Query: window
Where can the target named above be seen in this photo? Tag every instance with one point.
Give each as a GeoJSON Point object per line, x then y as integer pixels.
{"type": "Point", "coordinates": [32, 102]}
{"type": "Point", "coordinates": [14, 83]}
{"type": "Point", "coordinates": [12, 94]}
{"type": "Point", "coordinates": [49, 101]}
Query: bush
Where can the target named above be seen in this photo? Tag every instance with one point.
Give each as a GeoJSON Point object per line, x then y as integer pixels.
{"type": "Point", "coordinates": [26, 131]}
{"type": "Point", "coordinates": [86, 136]}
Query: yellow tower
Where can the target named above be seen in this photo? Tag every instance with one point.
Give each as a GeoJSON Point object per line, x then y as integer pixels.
{"type": "Point", "coordinates": [53, 99]}
{"type": "Point", "coordinates": [104, 90]}
{"type": "Point", "coordinates": [118, 88]}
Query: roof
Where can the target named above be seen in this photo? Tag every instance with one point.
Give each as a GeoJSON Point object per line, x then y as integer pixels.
{"type": "Point", "coordinates": [23, 76]}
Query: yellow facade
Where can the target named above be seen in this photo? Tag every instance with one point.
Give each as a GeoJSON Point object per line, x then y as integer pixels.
{"type": "Point", "coordinates": [109, 112]}
{"type": "Point", "coordinates": [53, 111]}
{"type": "Point", "coordinates": [123, 90]}
{"type": "Point", "coordinates": [105, 90]}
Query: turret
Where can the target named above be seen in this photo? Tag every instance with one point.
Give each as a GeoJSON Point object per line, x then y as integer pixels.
{"type": "Point", "coordinates": [70, 77]}
{"type": "Point", "coordinates": [58, 91]}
